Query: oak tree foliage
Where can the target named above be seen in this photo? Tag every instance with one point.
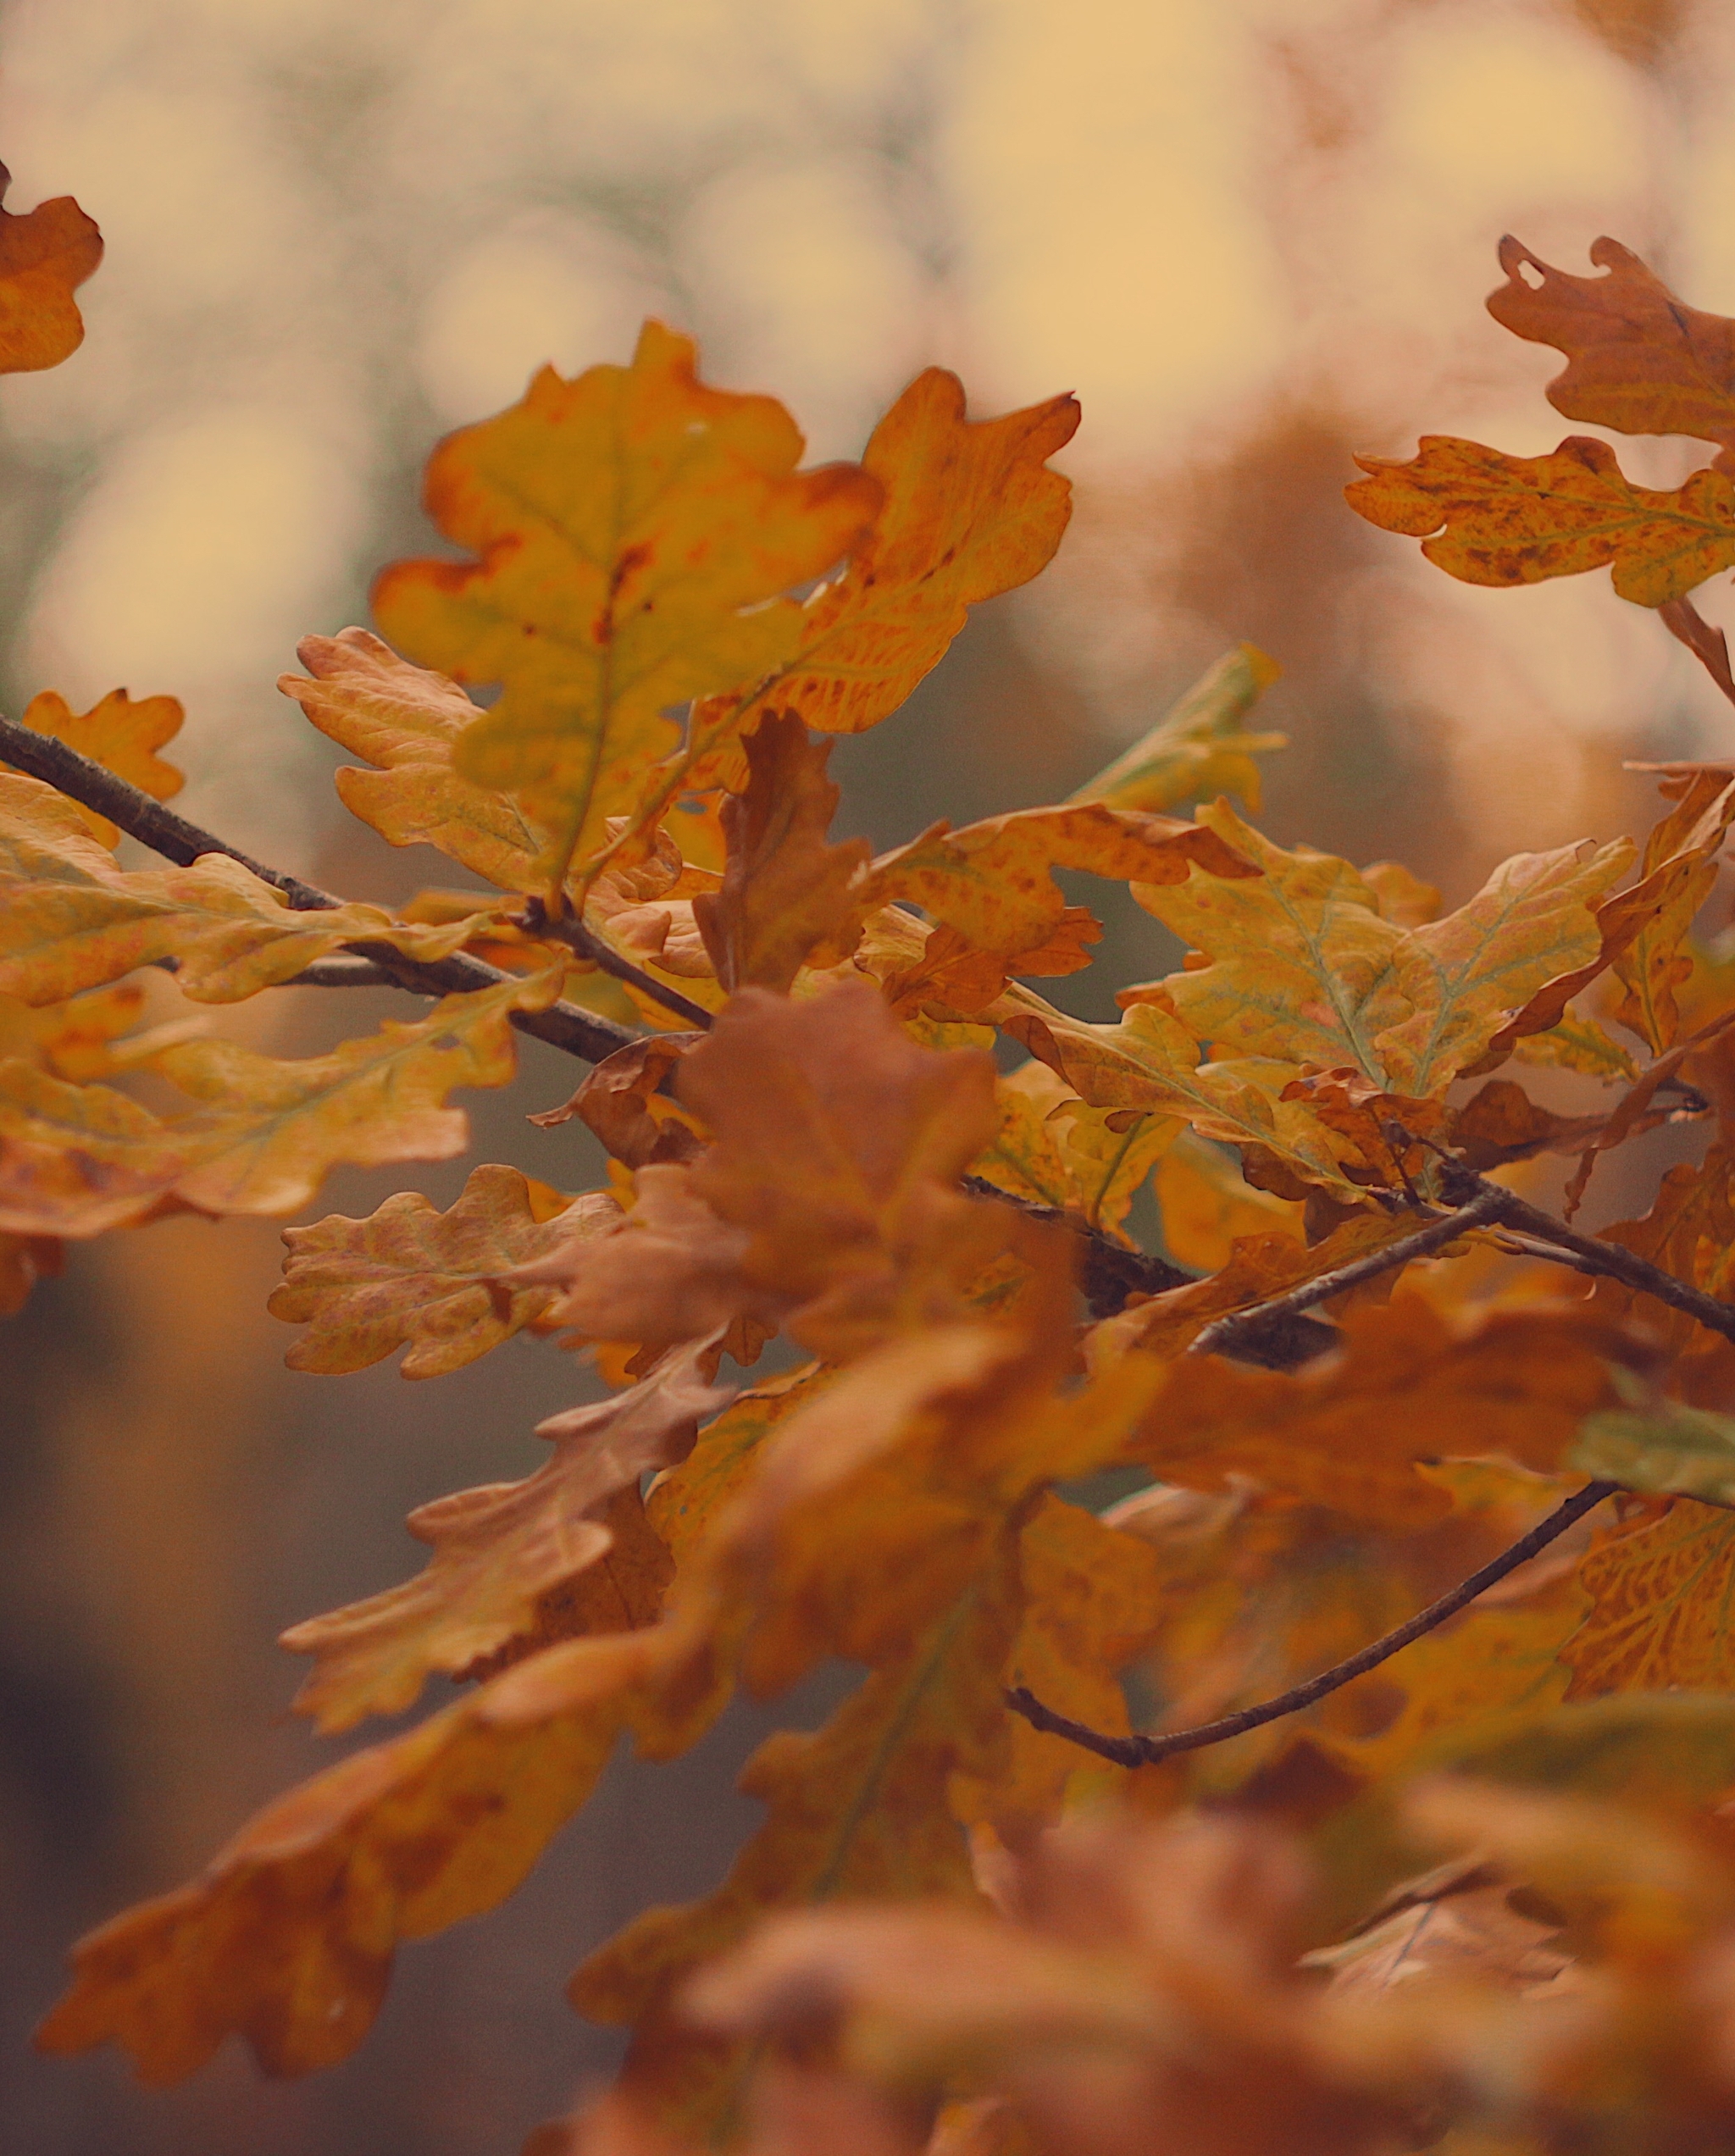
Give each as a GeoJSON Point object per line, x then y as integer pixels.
{"type": "Point", "coordinates": [1423, 1837]}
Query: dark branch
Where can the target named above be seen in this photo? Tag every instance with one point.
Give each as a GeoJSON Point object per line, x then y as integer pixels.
{"type": "Point", "coordinates": [1508, 1209]}
{"type": "Point", "coordinates": [1145, 1751]}
{"type": "Point", "coordinates": [1222, 1337]}
{"type": "Point", "coordinates": [537, 921]}
{"type": "Point", "coordinates": [562, 1026]}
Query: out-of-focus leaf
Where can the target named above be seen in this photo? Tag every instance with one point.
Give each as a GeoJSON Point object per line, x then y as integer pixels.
{"type": "Point", "coordinates": [1198, 749]}
{"type": "Point", "coordinates": [1208, 1206]}
{"type": "Point", "coordinates": [45, 254]}
{"type": "Point", "coordinates": [76, 1159]}
{"type": "Point", "coordinates": [410, 1274]}
{"type": "Point", "coordinates": [498, 1551]}
{"type": "Point", "coordinates": [1663, 1450]}
{"type": "Point", "coordinates": [1662, 1591]}
{"type": "Point", "coordinates": [633, 531]}
{"type": "Point", "coordinates": [121, 734]}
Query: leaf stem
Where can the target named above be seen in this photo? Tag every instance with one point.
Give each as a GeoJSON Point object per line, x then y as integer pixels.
{"type": "Point", "coordinates": [562, 1025]}
{"type": "Point", "coordinates": [1145, 1751]}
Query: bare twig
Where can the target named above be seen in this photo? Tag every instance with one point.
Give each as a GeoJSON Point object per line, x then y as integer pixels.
{"type": "Point", "coordinates": [1222, 1337]}
{"type": "Point", "coordinates": [537, 920]}
{"type": "Point", "coordinates": [1145, 1751]}
{"type": "Point", "coordinates": [562, 1025]}
{"type": "Point", "coordinates": [1506, 1209]}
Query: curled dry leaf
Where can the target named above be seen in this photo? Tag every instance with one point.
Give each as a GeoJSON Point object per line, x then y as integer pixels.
{"type": "Point", "coordinates": [45, 255]}
{"type": "Point", "coordinates": [410, 1274]}
{"type": "Point", "coordinates": [622, 1101]}
{"type": "Point", "coordinates": [633, 530]}
{"type": "Point", "coordinates": [499, 1551]}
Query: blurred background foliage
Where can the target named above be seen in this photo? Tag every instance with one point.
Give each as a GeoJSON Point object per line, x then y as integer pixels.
{"type": "Point", "coordinates": [1253, 235]}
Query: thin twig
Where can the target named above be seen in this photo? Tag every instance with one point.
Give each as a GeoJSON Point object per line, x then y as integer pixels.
{"type": "Point", "coordinates": [562, 1025]}
{"type": "Point", "coordinates": [1463, 1186]}
{"type": "Point", "coordinates": [1533, 1246]}
{"type": "Point", "coordinates": [537, 920]}
{"type": "Point", "coordinates": [1145, 1751]}
{"type": "Point", "coordinates": [1218, 1337]}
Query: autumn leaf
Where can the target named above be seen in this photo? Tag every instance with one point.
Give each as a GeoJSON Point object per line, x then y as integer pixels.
{"type": "Point", "coordinates": [1407, 1386]}
{"type": "Point", "coordinates": [393, 1843]}
{"type": "Point", "coordinates": [121, 735]}
{"type": "Point", "coordinates": [498, 1551]}
{"type": "Point", "coordinates": [1207, 1205]}
{"type": "Point", "coordinates": [75, 1160]}
{"type": "Point", "coordinates": [1488, 518]}
{"type": "Point", "coordinates": [24, 1260]}
{"type": "Point", "coordinates": [1639, 360]}
{"type": "Point", "coordinates": [406, 721]}
{"type": "Point", "coordinates": [623, 1102]}
{"type": "Point", "coordinates": [411, 1275]}
{"type": "Point", "coordinates": [1679, 859]}
{"type": "Point", "coordinates": [1659, 1585]}
{"type": "Point", "coordinates": [88, 1036]}
{"type": "Point", "coordinates": [632, 532]}
{"type": "Point", "coordinates": [45, 254]}
{"type": "Point", "coordinates": [69, 919]}
{"type": "Point", "coordinates": [1198, 749]}
{"type": "Point", "coordinates": [1303, 964]}
{"type": "Point", "coordinates": [1053, 1150]}
{"type": "Point", "coordinates": [784, 890]}
{"type": "Point", "coordinates": [1689, 1232]}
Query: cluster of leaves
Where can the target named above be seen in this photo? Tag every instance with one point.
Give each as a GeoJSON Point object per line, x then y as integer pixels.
{"type": "Point", "coordinates": [982, 1912]}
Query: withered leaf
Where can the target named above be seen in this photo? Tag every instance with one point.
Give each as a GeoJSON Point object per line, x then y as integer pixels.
{"type": "Point", "coordinates": [1200, 748]}
{"type": "Point", "coordinates": [45, 254]}
{"type": "Point", "coordinates": [1661, 1585]}
{"type": "Point", "coordinates": [120, 733]}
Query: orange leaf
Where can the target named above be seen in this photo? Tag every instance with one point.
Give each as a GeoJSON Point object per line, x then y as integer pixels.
{"type": "Point", "coordinates": [1661, 1586]}
{"type": "Point", "coordinates": [1639, 361]}
{"type": "Point", "coordinates": [622, 1102]}
{"type": "Point", "coordinates": [633, 530]}
{"type": "Point", "coordinates": [784, 890]}
{"type": "Point", "coordinates": [1486, 518]}
{"type": "Point", "coordinates": [44, 255]}
{"type": "Point", "coordinates": [24, 1260]}
{"type": "Point", "coordinates": [498, 1551]}
{"type": "Point", "coordinates": [408, 1274]}
{"type": "Point", "coordinates": [121, 735]}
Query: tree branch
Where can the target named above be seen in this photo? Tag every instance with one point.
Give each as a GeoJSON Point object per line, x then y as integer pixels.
{"type": "Point", "coordinates": [562, 1026]}
{"type": "Point", "coordinates": [1145, 1751]}
{"type": "Point", "coordinates": [1462, 1186]}
{"type": "Point", "coordinates": [1480, 1212]}
{"type": "Point", "coordinates": [537, 921]}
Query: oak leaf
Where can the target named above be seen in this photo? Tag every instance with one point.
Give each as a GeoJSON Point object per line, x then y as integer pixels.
{"type": "Point", "coordinates": [1052, 1149]}
{"type": "Point", "coordinates": [633, 531]}
{"type": "Point", "coordinates": [1680, 858]}
{"type": "Point", "coordinates": [1488, 518]}
{"type": "Point", "coordinates": [24, 1260]}
{"type": "Point", "coordinates": [406, 721]}
{"type": "Point", "coordinates": [1661, 1586]}
{"type": "Point", "coordinates": [45, 254]}
{"type": "Point", "coordinates": [70, 919]}
{"type": "Point", "coordinates": [409, 1275]}
{"type": "Point", "coordinates": [1198, 749]}
{"type": "Point", "coordinates": [784, 890]}
{"type": "Point", "coordinates": [623, 1102]}
{"type": "Point", "coordinates": [498, 1551]}
{"type": "Point", "coordinates": [76, 1159]}
{"type": "Point", "coordinates": [1407, 1386]}
{"type": "Point", "coordinates": [121, 734]}
{"type": "Point", "coordinates": [1688, 1232]}
{"type": "Point", "coordinates": [1639, 361]}
{"type": "Point", "coordinates": [1207, 1205]}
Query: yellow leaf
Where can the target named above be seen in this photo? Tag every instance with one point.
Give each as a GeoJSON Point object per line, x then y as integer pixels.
{"type": "Point", "coordinates": [69, 919]}
{"type": "Point", "coordinates": [80, 1039]}
{"type": "Point", "coordinates": [633, 531]}
{"type": "Point", "coordinates": [410, 1274]}
{"type": "Point", "coordinates": [783, 890]}
{"type": "Point", "coordinates": [498, 1551]}
{"type": "Point", "coordinates": [1577, 1044]}
{"type": "Point", "coordinates": [1486, 518]}
{"type": "Point", "coordinates": [1303, 966]}
{"type": "Point", "coordinates": [1054, 1150]}
{"type": "Point", "coordinates": [1684, 847]}
{"type": "Point", "coordinates": [44, 254]}
{"type": "Point", "coordinates": [1207, 1207]}
{"type": "Point", "coordinates": [121, 735]}
{"type": "Point", "coordinates": [406, 722]}
{"type": "Point", "coordinates": [1661, 1587]}
{"type": "Point", "coordinates": [75, 1160]}
{"type": "Point", "coordinates": [1198, 749]}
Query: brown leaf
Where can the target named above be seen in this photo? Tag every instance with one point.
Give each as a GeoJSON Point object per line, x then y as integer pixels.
{"type": "Point", "coordinates": [784, 890]}
{"type": "Point", "coordinates": [44, 255]}
{"type": "Point", "coordinates": [624, 1102]}
{"type": "Point", "coordinates": [1500, 1123]}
